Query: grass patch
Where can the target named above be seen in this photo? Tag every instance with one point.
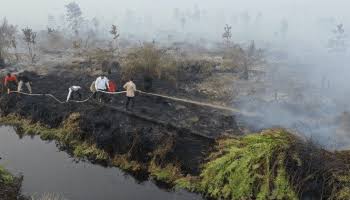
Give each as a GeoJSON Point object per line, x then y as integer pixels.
{"type": "Point", "coordinates": [167, 174]}
{"type": "Point", "coordinates": [257, 166]}
{"type": "Point", "coordinates": [85, 149]}
{"type": "Point", "coordinates": [124, 163]}
{"type": "Point", "coordinates": [249, 167]}
{"type": "Point", "coordinates": [68, 134]}
{"type": "Point", "coordinates": [5, 177]}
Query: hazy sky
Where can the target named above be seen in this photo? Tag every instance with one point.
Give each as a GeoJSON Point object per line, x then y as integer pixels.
{"type": "Point", "coordinates": [35, 12]}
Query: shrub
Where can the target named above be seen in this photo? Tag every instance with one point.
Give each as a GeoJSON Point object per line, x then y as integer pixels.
{"type": "Point", "coordinates": [253, 167]}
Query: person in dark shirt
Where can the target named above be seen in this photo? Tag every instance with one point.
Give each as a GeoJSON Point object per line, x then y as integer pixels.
{"type": "Point", "coordinates": [24, 79]}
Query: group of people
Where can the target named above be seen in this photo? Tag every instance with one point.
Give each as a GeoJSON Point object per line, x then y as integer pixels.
{"type": "Point", "coordinates": [12, 83]}
{"type": "Point", "coordinates": [102, 86]}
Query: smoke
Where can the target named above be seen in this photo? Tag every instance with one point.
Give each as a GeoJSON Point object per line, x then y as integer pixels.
{"type": "Point", "coordinates": [308, 91]}
{"type": "Point", "coordinates": [307, 84]}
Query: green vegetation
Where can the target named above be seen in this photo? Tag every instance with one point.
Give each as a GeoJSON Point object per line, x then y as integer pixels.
{"type": "Point", "coordinates": [153, 62]}
{"type": "Point", "coordinates": [249, 167]}
{"type": "Point", "coordinates": [68, 134]}
{"type": "Point", "coordinates": [123, 162]}
{"type": "Point", "coordinates": [168, 174]}
{"type": "Point", "coordinates": [271, 165]}
{"type": "Point", "coordinates": [10, 186]}
{"type": "Point", "coordinates": [5, 177]}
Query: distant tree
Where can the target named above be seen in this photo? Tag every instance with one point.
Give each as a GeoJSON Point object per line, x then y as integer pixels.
{"type": "Point", "coordinates": [14, 46]}
{"type": "Point", "coordinates": [51, 21]}
{"type": "Point", "coordinates": [245, 17]}
{"type": "Point", "coordinates": [50, 30]}
{"type": "Point", "coordinates": [258, 19]}
{"type": "Point", "coordinates": [227, 35]}
{"type": "Point", "coordinates": [74, 17]}
{"type": "Point", "coordinates": [284, 27]}
{"type": "Point", "coordinates": [30, 39]}
{"type": "Point", "coordinates": [115, 35]}
{"type": "Point", "coordinates": [248, 59]}
{"type": "Point", "coordinates": [7, 39]}
{"type": "Point", "coordinates": [96, 24]}
{"type": "Point", "coordinates": [114, 32]}
{"type": "Point", "coordinates": [196, 13]}
{"type": "Point", "coordinates": [251, 49]}
{"type": "Point", "coordinates": [183, 21]}
{"type": "Point", "coordinates": [338, 42]}
{"type": "Point", "coordinates": [176, 13]}
{"type": "Point", "coordinates": [54, 38]}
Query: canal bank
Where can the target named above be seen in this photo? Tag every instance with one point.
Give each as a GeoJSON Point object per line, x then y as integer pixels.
{"type": "Point", "coordinates": [160, 140]}
{"type": "Point", "coordinates": [47, 170]}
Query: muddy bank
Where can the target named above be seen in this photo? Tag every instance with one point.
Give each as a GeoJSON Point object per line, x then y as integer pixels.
{"type": "Point", "coordinates": [157, 130]}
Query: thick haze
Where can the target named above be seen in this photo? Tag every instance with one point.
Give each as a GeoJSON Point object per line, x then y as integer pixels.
{"type": "Point", "coordinates": [301, 29]}
{"type": "Point", "coordinates": [159, 14]}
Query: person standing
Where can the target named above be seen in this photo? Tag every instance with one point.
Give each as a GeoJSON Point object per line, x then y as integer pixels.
{"type": "Point", "coordinates": [101, 84]}
{"type": "Point", "coordinates": [112, 86]}
{"type": "Point", "coordinates": [130, 88]}
{"type": "Point", "coordinates": [24, 79]}
{"type": "Point", "coordinates": [10, 82]}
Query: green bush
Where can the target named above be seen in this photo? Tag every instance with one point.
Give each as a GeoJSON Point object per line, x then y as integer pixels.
{"type": "Point", "coordinates": [252, 167]}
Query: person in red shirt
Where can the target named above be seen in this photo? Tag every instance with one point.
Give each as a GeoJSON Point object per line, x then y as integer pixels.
{"type": "Point", "coordinates": [10, 82]}
{"type": "Point", "coordinates": [112, 87]}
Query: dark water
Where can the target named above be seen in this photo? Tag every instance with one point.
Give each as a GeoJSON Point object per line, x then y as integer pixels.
{"type": "Point", "coordinates": [48, 170]}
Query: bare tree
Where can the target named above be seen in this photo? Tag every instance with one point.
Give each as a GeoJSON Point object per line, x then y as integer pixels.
{"type": "Point", "coordinates": [227, 35]}
{"type": "Point", "coordinates": [30, 39]}
{"type": "Point", "coordinates": [50, 30]}
{"type": "Point", "coordinates": [7, 39]}
{"type": "Point", "coordinates": [338, 42]}
{"type": "Point", "coordinates": [196, 14]}
{"type": "Point", "coordinates": [96, 23]}
{"type": "Point", "coordinates": [284, 27]}
{"type": "Point", "coordinates": [248, 59]}
{"type": "Point", "coordinates": [183, 21]}
{"type": "Point", "coordinates": [115, 35]}
{"type": "Point", "coordinates": [74, 17]}
{"type": "Point", "coordinates": [251, 57]}
{"type": "Point", "coordinates": [51, 21]}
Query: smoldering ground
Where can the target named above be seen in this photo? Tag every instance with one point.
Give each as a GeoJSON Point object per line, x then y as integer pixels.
{"type": "Point", "coordinates": [307, 92]}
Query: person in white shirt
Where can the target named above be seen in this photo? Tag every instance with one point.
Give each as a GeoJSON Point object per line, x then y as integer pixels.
{"type": "Point", "coordinates": [72, 91]}
{"type": "Point", "coordinates": [101, 84]}
{"type": "Point", "coordinates": [130, 88]}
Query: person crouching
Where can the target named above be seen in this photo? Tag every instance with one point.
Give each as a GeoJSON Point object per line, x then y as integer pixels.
{"type": "Point", "coordinates": [73, 91]}
{"type": "Point", "coordinates": [24, 80]}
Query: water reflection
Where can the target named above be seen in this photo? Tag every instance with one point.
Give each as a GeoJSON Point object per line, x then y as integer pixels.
{"type": "Point", "coordinates": [48, 170]}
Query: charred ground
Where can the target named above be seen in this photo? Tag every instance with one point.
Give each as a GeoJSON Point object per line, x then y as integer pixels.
{"type": "Point", "coordinates": [190, 130]}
